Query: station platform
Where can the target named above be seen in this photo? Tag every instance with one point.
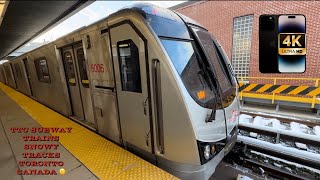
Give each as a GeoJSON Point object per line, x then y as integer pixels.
{"type": "Point", "coordinates": [84, 154]}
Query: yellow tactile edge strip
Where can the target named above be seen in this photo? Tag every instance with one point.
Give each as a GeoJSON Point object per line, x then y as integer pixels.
{"type": "Point", "coordinates": [102, 157]}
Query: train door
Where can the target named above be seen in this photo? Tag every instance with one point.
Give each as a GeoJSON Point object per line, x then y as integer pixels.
{"type": "Point", "coordinates": [129, 61]}
{"type": "Point", "coordinates": [72, 82]}
{"type": "Point", "coordinates": [26, 67]}
{"type": "Point", "coordinates": [84, 87]}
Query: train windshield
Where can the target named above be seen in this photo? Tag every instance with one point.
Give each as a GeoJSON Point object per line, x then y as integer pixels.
{"type": "Point", "coordinates": [195, 70]}
{"type": "Point", "coordinates": [190, 68]}
{"type": "Point", "coordinates": [194, 55]}
{"type": "Point", "coordinates": [218, 64]}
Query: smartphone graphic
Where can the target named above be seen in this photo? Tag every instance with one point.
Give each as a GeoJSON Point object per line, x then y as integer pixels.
{"type": "Point", "coordinates": [292, 44]}
{"type": "Point", "coordinates": [268, 44]}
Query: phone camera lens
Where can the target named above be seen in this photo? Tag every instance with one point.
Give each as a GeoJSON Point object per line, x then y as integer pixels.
{"type": "Point", "coordinates": [267, 22]}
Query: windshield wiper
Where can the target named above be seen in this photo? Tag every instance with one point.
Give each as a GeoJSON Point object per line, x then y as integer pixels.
{"type": "Point", "coordinates": [214, 110]}
{"type": "Point", "coordinates": [219, 92]}
{"type": "Point", "coordinates": [204, 72]}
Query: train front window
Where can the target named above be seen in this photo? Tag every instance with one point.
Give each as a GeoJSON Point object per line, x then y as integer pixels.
{"type": "Point", "coordinates": [188, 65]}
{"type": "Point", "coordinates": [218, 65]}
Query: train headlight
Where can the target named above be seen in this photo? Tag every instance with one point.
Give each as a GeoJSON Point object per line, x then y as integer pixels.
{"type": "Point", "coordinates": [206, 152]}
{"type": "Point", "coordinates": [213, 149]}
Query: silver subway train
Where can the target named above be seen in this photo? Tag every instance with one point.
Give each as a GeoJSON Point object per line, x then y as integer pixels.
{"type": "Point", "coordinates": [147, 78]}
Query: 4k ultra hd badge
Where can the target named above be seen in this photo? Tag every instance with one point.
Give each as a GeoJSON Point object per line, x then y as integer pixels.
{"type": "Point", "coordinates": [292, 44]}
{"type": "Point", "coordinates": [282, 43]}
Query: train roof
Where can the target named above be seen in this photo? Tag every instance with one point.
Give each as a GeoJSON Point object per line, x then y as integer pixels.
{"type": "Point", "coordinates": [164, 22]}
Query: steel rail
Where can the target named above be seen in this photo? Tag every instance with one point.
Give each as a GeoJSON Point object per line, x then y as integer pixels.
{"type": "Point", "coordinates": [292, 154]}
{"type": "Point", "coordinates": [283, 119]}
{"type": "Point", "coordinates": [281, 134]}
{"type": "Point", "coordinates": [272, 171]}
{"type": "Point", "coordinates": [240, 158]}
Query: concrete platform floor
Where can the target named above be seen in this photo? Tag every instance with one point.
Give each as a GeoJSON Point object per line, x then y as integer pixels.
{"type": "Point", "coordinates": [104, 159]}
{"type": "Point", "coordinates": [12, 147]}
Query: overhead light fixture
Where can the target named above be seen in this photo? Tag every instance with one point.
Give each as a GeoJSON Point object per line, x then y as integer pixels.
{"type": "Point", "coordinates": [3, 7]}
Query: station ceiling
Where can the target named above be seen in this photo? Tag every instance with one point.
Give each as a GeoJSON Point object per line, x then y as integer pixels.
{"type": "Point", "coordinates": [21, 21]}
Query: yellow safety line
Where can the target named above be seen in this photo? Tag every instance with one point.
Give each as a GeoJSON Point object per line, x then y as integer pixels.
{"type": "Point", "coordinates": [102, 157]}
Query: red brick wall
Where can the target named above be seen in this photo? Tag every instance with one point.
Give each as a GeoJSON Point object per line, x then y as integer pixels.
{"type": "Point", "coordinates": [217, 17]}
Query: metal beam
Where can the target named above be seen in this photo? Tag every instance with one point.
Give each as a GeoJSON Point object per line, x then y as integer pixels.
{"type": "Point", "coordinates": [25, 20]}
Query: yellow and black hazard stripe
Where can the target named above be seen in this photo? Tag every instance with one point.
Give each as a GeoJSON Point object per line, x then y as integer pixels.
{"type": "Point", "coordinates": [281, 89]}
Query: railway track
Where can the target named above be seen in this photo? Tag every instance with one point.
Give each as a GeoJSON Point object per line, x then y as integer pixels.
{"type": "Point", "coordinates": [279, 142]}
{"type": "Point", "coordinates": [258, 167]}
{"type": "Point", "coordinates": [283, 134]}
{"type": "Point", "coordinates": [283, 119]}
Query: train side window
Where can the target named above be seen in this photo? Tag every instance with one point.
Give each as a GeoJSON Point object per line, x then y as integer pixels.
{"type": "Point", "coordinates": [129, 66]}
{"type": "Point", "coordinates": [82, 68]}
{"type": "Point", "coordinates": [42, 70]}
{"type": "Point", "coordinates": [68, 61]}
